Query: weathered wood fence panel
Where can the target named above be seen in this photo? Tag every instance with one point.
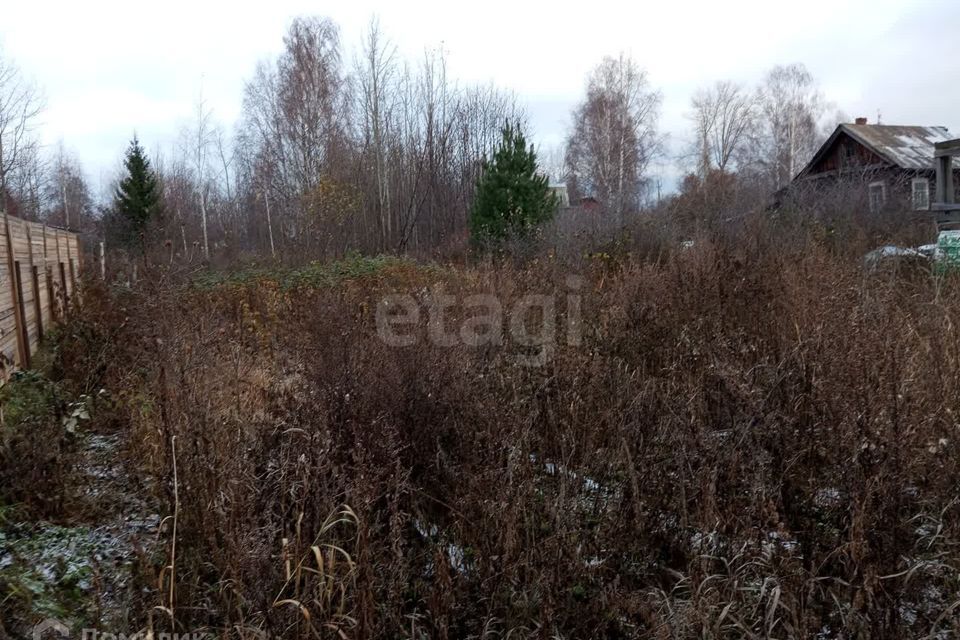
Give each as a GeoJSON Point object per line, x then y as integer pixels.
{"type": "Point", "coordinates": [39, 269]}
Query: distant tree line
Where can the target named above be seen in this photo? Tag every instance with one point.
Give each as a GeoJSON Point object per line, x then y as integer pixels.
{"type": "Point", "coordinates": [375, 153]}
{"type": "Point", "coordinates": [36, 183]}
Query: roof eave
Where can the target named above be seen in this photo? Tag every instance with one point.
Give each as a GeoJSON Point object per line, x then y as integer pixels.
{"type": "Point", "coordinates": [820, 152]}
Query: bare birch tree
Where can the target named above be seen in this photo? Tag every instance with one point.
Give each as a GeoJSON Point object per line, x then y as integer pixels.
{"type": "Point", "coordinates": [614, 136]}
{"type": "Point", "coordinates": [296, 117]}
{"type": "Point", "coordinates": [198, 141]}
{"type": "Point", "coordinates": [376, 74]}
{"type": "Point", "coordinates": [68, 195]}
{"type": "Point", "coordinates": [791, 107]}
{"type": "Point", "coordinates": [311, 98]}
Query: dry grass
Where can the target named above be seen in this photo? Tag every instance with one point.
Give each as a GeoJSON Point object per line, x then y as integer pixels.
{"type": "Point", "coordinates": [755, 439]}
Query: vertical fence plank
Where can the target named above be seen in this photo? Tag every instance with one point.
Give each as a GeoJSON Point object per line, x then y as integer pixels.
{"type": "Point", "coordinates": [35, 286]}
{"type": "Point", "coordinates": [8, 337]}
{"type": "Point", "coordinates": [48, 276]}
{"type": "Point", "coordinates": [62, 279]}
{"type": "Point", "coordinates": [73, 277]}
{"type": "Point", "coordinates": [24, 328]}
{"type": "Point", "coordinates": [13, 273]}
{"type": "Point", "coordinates": [37, 231]}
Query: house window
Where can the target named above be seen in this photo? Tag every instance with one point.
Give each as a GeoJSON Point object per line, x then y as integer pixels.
{"type": "Point", "coordinates": [921, 193]}
{"type": "Point", "coordinates": [878, 196]}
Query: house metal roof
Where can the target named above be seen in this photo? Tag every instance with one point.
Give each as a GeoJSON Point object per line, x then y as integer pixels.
{"type": "Point", "coordinates": [906, 147]}
{"type": "Point", "coordinates": [909, 148]}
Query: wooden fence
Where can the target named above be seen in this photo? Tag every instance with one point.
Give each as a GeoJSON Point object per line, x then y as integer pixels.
{"type": "Point", "coordinates": [39, 269]}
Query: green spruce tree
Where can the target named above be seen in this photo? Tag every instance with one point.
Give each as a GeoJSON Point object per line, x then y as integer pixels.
{"type": "Point", "coordinates": [137, 199]}
{"type": "Point", "coordinates": [512, 198]}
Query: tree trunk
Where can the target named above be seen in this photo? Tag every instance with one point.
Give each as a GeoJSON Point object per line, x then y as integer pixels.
{"type": "Point", "coordinates": [266, 200]}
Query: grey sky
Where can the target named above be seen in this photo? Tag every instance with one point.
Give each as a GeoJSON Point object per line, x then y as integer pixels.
{"type": "Point", "coordinates": [111, 67]}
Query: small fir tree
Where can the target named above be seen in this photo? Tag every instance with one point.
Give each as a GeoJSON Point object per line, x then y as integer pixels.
{"type": "Point", "coordinates": [137, 199]}
{"type": "Point", "coordinates": [512, 197]}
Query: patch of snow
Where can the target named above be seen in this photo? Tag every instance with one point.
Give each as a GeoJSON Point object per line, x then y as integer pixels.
{"type": "Point", "coordinates": [554, 469]}
{"type": "Point", "coordinates": [455, 553]}
{"type": "Point", "coordinates": [907, 614]}
{"type": "Point", "coordinates": [426, 531]}
{"type": "Point", "coordinates": [829, 497]}
{"type": "Point", "coordinates": [929, 250]}
{"type": "Point", "coordinates": [456, 558]}
{"type": "Point", "coordinates": [705, 542]}
{"type": "Point", "coordinates": [777, 540]}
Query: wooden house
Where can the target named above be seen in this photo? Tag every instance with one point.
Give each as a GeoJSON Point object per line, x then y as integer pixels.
{"type": "Point", "coordinates": [892, 163]}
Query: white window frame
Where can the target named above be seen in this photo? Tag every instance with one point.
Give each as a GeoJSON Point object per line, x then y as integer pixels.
{"type": "Point", "coordinates": [876, 207]}
{"type": "Point", "coordinates": [925, 205]}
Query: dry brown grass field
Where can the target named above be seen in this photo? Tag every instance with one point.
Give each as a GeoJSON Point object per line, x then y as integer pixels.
{"type": "Point", "coordinates": [752, 438]}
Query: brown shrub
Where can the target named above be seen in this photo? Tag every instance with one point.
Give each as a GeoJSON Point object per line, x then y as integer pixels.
{"type": "Point", "coordinates": [753, 439]}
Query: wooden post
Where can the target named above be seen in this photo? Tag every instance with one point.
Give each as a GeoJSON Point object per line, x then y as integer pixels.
{"type": "Point", "coordinates": [79, 250]}
{"type": "Point", "coordinates": [73, 276]}
{"type": "Point", "coordinates": [943, 153]}
{"type": "Point", "coordinates": [64, 296]}
{"type": "Point", "coordinates": [945, 193]}
{"type": "Point", "coordinates": [103, 262]}
{"type": "Point", "coordinates": [946, 207]}
{"type": "Point", "coordinates": [63, 288]}
{"type": "Point", "coordinates": [13, 270]}
{"type": "Point", "coordinates": [37, 306]}
{"type": "Point", "coordinates": [48, 276]}
{"type": "Point", "coordinates": [35, 286]}
{"type": "Point", "coordinates": [24, 330]}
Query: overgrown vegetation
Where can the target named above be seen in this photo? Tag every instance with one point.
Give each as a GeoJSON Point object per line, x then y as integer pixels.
{"type": "Point", "coordinates": [314, 274]}
{"type": "Point", "coordinates": [645, 415]}
{"type": "Point", "coordinates": [71, 522]}
{"type": "Point", "coordinates": [35, 444]}
{"type": "Point", "coordinates": [753, 438]}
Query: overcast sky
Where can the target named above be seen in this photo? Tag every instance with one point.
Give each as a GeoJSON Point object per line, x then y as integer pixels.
{"type": "Point", "coordinates": [109, 68]}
